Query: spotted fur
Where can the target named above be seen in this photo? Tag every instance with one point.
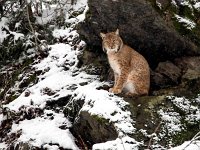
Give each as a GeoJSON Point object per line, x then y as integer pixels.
{"type": "Point", "coordinates": [131, 70]}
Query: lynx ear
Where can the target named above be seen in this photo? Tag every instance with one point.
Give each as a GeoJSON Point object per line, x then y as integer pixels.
{"type": "Point", "coordinates": [117, 32]}
{"type": "Point", "coordinates": [102, 35]}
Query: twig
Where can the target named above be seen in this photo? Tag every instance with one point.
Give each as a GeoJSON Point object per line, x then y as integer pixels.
{"type": "Point", "coordinates": [196, 137]}
{"type": "Point", "coordinates": [32, 29]}
{"type": "Point", "coordinates": [83, 143]}
{"type": "Point", "coordinates": [156, 129]}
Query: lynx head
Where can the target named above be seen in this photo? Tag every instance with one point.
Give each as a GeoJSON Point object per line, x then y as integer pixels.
{"type": "Point", "coordinates": [111, 41]}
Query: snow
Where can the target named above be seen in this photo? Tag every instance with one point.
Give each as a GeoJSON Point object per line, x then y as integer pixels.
{"type": "Point", "coordinates": [106, 105]}
{"type": "Point", "coordinates": [4, 35]}
{"type": "Point", "coordinates": [58, 33]}
{"type": "Point", "coordinates": [188, 145]}
{"type": "Point", "coordinates": [97, 102]}
{"type": "Point", "coordinates": [197, 6]}
{"type": "Point", "coordinates": [17, 36]}
{"type": "Point", "coordinates": [1, 118]}
{"type": "Point", "coordinates": [60, 73]}
{"type": "Point", "coordinates": [173, 2]}
{"type": "Point", "coordinates": [159, 4]}
{"type": "Point", "coordinates": [189, 24]}
{"type": "Point", "coordinates": [3, 24]}
{"type": "Point", "coordinates": [172, 121]}
{"type": "Point", "coordinates": [80, 17]}
{"type": "Point", "coordinates": [42, 130]}
{"type": "Point", "coordinates": [123, 143]}
{"type": "Point", "coordinates": [3, 146]}
{"type": "Point", "coordinates": [192, 112]}
{"type": "Point", "coordinates": [186, 3]}
{"type": "Point", "coordinates": [49, 13]}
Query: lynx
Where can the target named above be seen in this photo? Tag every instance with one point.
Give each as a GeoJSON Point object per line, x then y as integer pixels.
{"type": "Point", "coordinates": [131, 70]}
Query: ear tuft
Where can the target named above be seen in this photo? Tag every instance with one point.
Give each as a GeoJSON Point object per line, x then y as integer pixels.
{"type": "Point", "coordinates": [117, 32]}
{"type": "Point", "coordinates": [102, 35]}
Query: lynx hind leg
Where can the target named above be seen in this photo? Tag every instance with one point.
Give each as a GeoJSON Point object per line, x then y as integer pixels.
{"type": "Point", "coordinates": [141, 80]}
{"type": "Point", "coordinates": [129, 89]}
{"type": "Point", "coordinates": [132, 91]}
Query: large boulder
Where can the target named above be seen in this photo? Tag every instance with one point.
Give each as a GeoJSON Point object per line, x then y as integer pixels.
{"type": "Point", "coordinates": [140, 26]}
{"type": "Point", "coordinates": [93, 128]}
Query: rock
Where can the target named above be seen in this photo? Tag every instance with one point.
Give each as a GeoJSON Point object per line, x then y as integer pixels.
{"type": "Point", "coordinates": [147, 112]}
{"type": "Point", "coordinates": [190, 67]}
{"type": "Point", "coordinates": [21, 146]}
{"type": "Point", "coordinates": [158, 81]}
{"type": "Point", "coordinates": [140, 26]}
{"type": "Point", "coordinates": [93, 129]}
{"type": "Point", "coordinates": [169, 70]}
{"type": "Point", "coordinates": [165, 75]}
{"type": "Point", "coordinates": [163, 3]}
{"type": "Point", "coordinates": [191, 74]}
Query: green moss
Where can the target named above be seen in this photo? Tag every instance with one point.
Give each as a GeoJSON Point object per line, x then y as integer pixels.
{"type": "Point", "coordinates": [12, 97]}
{"type": "Point", "coordinates": [155, 100]}
{"type": "Point", "coordinates": [187, 134]}
{"type": "Point", "coordinates": [31, 79]}
{"type": "Point", "coordinates": [186, 12]}
{"type": "Point", "coordinates": [101, 120]}
{"type": "Point", "coordinates": [88, 15]}
{"type": "Point", "coordinates": [13, 77]}
{"type": "Point", "coordinates": [10, 50]}
{"type": "Point", "coordinates": [76, 13]}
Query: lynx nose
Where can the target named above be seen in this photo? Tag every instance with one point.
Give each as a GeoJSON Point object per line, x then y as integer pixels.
{"type": "Point", "coordinates": [112, 47]}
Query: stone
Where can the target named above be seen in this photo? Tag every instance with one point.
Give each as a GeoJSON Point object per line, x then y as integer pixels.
{"type": "Point", "coordinates": [190, 67]}
{"type": "Point", "coordinates": [158, 81]}
{"type": "Point", "coordinates": [169, 69]}
{"type": "Point", "coordinates": [93, 128]}
{"type": "Point", "coordinates": [22, 146]}
{"type": "Point", "coordinates": [163, 3]}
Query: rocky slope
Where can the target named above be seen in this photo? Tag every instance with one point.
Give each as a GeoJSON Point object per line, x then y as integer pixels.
{"type": "Point", "coordinates": [57, 98]}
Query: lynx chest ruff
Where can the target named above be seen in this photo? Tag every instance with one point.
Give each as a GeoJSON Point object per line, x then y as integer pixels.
{"type": "Point", "coordinates": [114, 65]}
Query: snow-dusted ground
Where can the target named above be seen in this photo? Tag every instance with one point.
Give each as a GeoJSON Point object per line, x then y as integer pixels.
{"type": "Point", "coordinates": [191, 4]}
{"type": "Point", "coordinates": [59, 81]}
{"type": "Point", "coordinates": [44, 131]}
{"type": "Point", "coordinates": [189, 24]}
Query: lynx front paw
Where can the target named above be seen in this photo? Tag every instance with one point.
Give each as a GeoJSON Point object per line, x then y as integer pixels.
{"type": "Point", "coordinates": [110, 90]}
{"type": "Point", "coordinates": [115, 91]}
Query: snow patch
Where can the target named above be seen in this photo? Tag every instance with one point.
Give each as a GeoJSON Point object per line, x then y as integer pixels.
{"type": "Point", "coordinates": [124, 143]}
{"type": "Point", "coordinates": [43, 130]}
{"type": "Point", "coordinates": [197, 6]}
{"type": "Point", "coordinates": [192, 112]}
{"type": "Point", "coordinates": [60, 81]}
{"type": "Point", "coordinates": [173, 2]}
{"type": "Point", "coordinates": [3, 24]}
{"type": "Point", "coordinates": [188, 145]}
{"type": "Point", "coordinates": [3, 146]}
{"type": "Point", "coordinates": [189, 24]}
{"type": "Point", "coordinates": [172, 121]}
{"type": "Point", "coordinates": [1, 118]}
{"type": "Point", "coordinates": [106, 105]}
{"type": "Point", "coordinates": [186, 3]}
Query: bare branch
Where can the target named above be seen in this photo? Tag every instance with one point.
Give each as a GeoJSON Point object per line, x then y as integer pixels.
{"type": "Point", "coordinates": [195, 138]}
{"type": "Point", "coordinates": [29, 13]}
{"type": "Point", "coordinates": [155, 131]}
